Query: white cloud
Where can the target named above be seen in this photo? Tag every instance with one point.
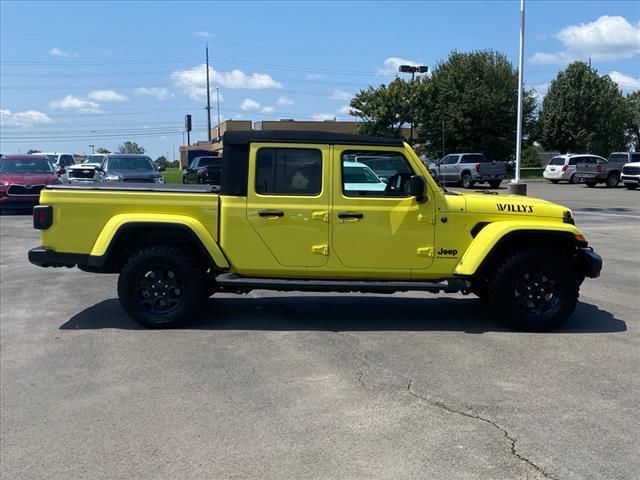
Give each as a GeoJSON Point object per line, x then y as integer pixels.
{"type": "Point", "coordinates": [74, 103]}
{"type": "Point", "coordinates": [540, 90]}
{"type": "Point", "coordinates": [626, 83]}
{"type": "Point", "coordinates": [27, 118]}
{"type": "Point", "coordinates": [107, 96]}
{"type": "Point", "coordinates": [345, 110]}
{"type": "Point", "coordinates": [284, 102]}
{"type": "Point", "coordinates": [340, 95]}
{"type": "Point", "coordinates": [268, 110]}
{"type": "Point", "coordinates": [607, 38]}
{"type": "Point", "coordinates": [248, 104]}
{"type": "Point", "coordinates": [313, 76]}
{"type": "Point", "coordinates": [203, 34]}
{"type": "Point", "coordinates": [56, 52]}
{"type": "Point", "coordinates": [193, 82]}
{"type": "Point", "coordinates": [391, 65]}
{"type": "Point", "coordinates": [160, 93]}
{"type": "Point", "coordinates": [323, 116]}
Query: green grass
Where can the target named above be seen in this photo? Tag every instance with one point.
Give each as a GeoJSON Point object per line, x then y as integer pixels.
{"type": "Point", "coordinates": [172, 175]}
{"type": "Point", "coordinates": [527, 173]}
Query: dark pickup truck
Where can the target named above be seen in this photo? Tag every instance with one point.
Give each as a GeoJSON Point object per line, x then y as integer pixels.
{"type": "Point", "coordinates": [608, 172]}
{"type": "Point", "coordinates": [203, 170]}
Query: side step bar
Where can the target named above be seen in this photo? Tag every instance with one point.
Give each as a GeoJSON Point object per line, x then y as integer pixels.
{"type": "Point", "coordinates": [234, 282]}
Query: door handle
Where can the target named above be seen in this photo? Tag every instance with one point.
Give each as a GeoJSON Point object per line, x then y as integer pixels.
{"type": "Point", "coordinates": [350, 215]}
{"type": "Point", "coordinates": [271, 213]}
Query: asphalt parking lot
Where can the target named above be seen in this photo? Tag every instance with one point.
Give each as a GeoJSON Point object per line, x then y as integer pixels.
{"type": "Point", "coordinates": [322, 386]}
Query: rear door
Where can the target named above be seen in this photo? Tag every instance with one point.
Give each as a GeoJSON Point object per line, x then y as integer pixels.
{"type": "Point", "coordinates": [288, 201]}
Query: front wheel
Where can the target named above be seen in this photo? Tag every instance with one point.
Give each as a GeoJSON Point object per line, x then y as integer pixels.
{"type": "Point", "coordinates": [467, 181]}
{"type": "Point", "coordinates": [161, 286]}
{"type": "Point", "coordinates": [534, 289]}
{"type": "Point", "coordinates": [495, 183]}
{"type": "Point", "coordinates": [613, 180]}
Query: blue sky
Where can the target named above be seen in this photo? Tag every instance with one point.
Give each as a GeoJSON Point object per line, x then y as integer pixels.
{"type": "Point", "coordinates": [80, 73]}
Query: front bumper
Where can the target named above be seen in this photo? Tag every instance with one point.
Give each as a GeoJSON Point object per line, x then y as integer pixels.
{"type": "Point", "coordinates": [630, 179]}
{"type": "Point", "coordinates": [590, 262]}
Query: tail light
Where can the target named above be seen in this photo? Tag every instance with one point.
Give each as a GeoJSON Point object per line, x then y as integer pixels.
{"type": "Point", "coordinates": [598, 168]}
{"type": "Point", "coordinates": [42, 217]}
{"type": "Point", "coordinates": [478, 167]}
{"type": "Point", "coordinates": [565, 168]}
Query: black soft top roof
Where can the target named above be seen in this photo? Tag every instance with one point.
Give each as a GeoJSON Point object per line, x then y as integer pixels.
{"type": "Point", "coordinates": [276, 136]}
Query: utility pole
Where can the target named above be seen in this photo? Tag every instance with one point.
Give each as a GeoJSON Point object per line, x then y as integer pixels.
{"type": "Point", "coordinates": [208, 97]}
{"type": "Point", "coordinates": [517, 187]}
{"type": "Point", "coordinates": [218, 102]}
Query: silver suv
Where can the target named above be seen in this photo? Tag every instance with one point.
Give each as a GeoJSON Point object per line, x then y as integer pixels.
{"type": "Point", "coordinates": [562, 168]}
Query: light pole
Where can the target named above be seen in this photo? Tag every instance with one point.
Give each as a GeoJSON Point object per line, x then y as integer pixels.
{"type": "Point", "coordinates": [218, 102]}
{"type": "Point", "coordinates": [92, 148]}
{"type": "Point", "coordinates": [516, 186]}
{"type": "Point", "coordinates": [413, 69]}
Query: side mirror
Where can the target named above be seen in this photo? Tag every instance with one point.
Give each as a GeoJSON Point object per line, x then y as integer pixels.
{"type": "Point", "coordinates": [417, 187]}
{"type": "Point", "coordinates": [60, 171]}
{"type": "Point", "coordinates": [384, 179]}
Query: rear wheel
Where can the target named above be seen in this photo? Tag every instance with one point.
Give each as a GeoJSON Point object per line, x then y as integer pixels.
{"type": "Point", "coordinates": [467, 181]}
{"type": "Point", "coordinates": [495, 183]}
{"type": "Point", "coordinates": [161, 286]}
{"type": "Point", "coordinates": [574, 179]}
{"type": "Point", "coordinates": [613, 180]}
{"type": "Point", "coordinates": [590, 184]}
{"type": "Point", "coordinates": [534, 289]}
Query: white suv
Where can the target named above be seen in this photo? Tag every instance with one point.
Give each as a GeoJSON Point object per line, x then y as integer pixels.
{"type": "Point", "coordinates": [631, 174]}
{"type": "Point", "coordinates": [563, 167]}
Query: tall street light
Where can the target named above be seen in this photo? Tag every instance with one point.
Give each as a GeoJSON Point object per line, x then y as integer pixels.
{"type": "Point", "coordinates": [413, 69]}
{"type": "Point", "coordinates": [517, 186]}
{"type": "Point", "coordinates": [92, 148]}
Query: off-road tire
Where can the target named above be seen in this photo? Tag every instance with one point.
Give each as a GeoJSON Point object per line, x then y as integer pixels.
{"type": "Point", "coordinates": [559, 291]}
{"type": "Point", "coordinates": [495, 183]}
{"type": "Point", "coordinates": [590, 184]}
{"type": "Point", "coordinates": [467, 181]}
{"type": "Point", "coordinates": [631, 186]}
{"type": "Point", "coordinates": [613, 180]}
{"type": "Point", "coordinates": [480, 288]}
{"type": "Point", "coordinates": [180, 268]}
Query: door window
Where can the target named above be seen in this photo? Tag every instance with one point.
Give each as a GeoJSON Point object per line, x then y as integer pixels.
{"type": "Point", "coordinates": [449, 160]}
{"type": "Point", "coordinates": [288, 171]}
{"type": "Point", "coordinates": [375, 174]}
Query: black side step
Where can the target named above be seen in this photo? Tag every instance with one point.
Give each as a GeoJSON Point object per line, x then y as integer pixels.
{"type": "Point", "coordinates": [234, 282]}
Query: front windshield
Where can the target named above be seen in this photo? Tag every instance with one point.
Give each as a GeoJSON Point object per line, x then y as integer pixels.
{"type": "Point", "coordinates": [139, 164]}
{"type": "Point", "coordinates": [25, 166]}
{"type": "Point", "coordinates": [93, 159]}
{"type": "Point", "coordinates": [359, 175]}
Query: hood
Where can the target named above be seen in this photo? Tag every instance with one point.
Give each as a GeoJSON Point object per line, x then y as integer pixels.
{"type": "Point", "coordinates": [29, 178]}
{"type": "Point", "coordinates": [134, 174]}
{"type": "Point", "coordinates": [512, 205]}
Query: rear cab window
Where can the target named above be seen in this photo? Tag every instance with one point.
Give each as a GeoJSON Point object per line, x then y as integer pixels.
{"type": "Point", "coordinates": [557, 161]}
{"type": "Point", "coordinates": [288, 171]}
{"type": "Point", "coordinates": [619, 157]}
{"type": "Point", "coordinates": [474, 158]}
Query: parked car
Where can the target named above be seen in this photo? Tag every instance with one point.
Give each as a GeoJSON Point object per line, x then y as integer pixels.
{"type": "Point", "coordinates": [562, 168]}
{"type": "Point", "coordinates": [131, 168]}
{"type": "Point", "coordinates": [203, 170]}
{"type": "Point", "coordinates": [90, 170]}
{"type": "Point", "coordinates": [469, 169]}
{"type": "Point", "coordinates": [631, 173]}
{"type": "Point", "coordinates": [360, 179]}
{"type": "Point", "coordinates": [60, 162]}
{"type": "Point", "coordinates": [22, 177]}
{"type": "Point", "coordinates": [607, 172]}
{"type": "Point", "coordinates": [283, 221]}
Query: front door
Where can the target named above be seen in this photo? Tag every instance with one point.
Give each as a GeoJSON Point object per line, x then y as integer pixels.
{"type": "Point", "coordinates": [380, 230]}
{"type": "Point", "coordinates": [288, 202]}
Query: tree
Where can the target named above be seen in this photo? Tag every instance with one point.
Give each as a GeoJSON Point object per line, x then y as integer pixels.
{"type": "Point", "coordinates": [387, 108]}
{"type": "Point", "coordinates": [130, 147]}
{"type": "Point", "coordinates": [471, 99]}
{"type": "Point", "coordinates": [102, 151]}
{"type": "Point", "coordinates": [632, 131]}
{"type": "Point", "coordinates": [583, 112]}
{"type": "Point", "coordinates": [30, 151]}
{"type": "Point", "coordinates": [162, 161]}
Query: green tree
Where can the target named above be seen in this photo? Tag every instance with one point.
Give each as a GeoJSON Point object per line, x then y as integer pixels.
{"type": "Point", "coordinates": [386, 109]}
{"type": "Point", "coordinates": [632, 131]}
{"type": "Point", "coordinates": [30, 151]}
{"type": "Point", "coordinates": [583, 112]}
{"type": "Point", "coordinates": [162, 161]}
{"type": "Point", "coordinates": [471, 100]}
{"type": "Point", "coordinates": [102, 151]}
{"type": "Point", "coordinates": [130, 147]}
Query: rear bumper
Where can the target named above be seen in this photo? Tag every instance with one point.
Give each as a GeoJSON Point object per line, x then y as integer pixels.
{"type": "Point", "coordinates": [44, 257]}
{"type": "Point", "coordinates": [590, 261]}
{"type": "Point", "coordinates": [594, 177]}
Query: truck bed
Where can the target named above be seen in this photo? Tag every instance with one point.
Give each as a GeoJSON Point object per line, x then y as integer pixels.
{"type": "Point", "coordinates": [140, 187]}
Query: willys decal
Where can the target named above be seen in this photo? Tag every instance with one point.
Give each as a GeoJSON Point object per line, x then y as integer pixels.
{"type": "Point", "coordinates": [510, 207]}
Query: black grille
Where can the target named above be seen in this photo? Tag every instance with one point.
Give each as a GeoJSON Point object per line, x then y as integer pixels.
{"type": "Point", "coordinates": [77, 173]}
{"type": "Point", "coordinates": [631, 170]}
{"type": "Point", "coordinates": [137, 180]}
{"type": "Point", "coordinates": [23, 190]}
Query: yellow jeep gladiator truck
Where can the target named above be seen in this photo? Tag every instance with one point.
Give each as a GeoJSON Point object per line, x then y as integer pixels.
{"type": "Point", "coordinates": [316, 211]}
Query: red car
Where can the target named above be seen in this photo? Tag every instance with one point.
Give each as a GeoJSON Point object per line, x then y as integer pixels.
{"type": "Point", "coordinates": [21, 179]}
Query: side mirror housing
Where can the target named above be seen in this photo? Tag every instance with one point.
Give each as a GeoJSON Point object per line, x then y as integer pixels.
{"type": "Point", "coordinates": [417, 188]}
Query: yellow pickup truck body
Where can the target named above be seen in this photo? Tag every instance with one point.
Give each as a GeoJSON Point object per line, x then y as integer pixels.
{"type": "Point", "coordinates": [329, 233]}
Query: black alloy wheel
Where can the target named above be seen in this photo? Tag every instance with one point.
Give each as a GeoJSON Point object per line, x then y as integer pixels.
{"type": "Point", "coordinates": [535, 292]}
